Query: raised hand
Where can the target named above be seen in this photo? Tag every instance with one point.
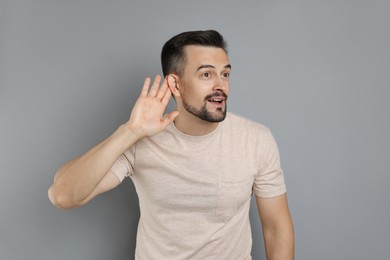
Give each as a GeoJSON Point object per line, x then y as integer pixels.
{"type": "Point", "coordinates": [147, 117]}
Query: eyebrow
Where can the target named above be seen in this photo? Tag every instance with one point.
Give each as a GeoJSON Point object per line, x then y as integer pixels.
{"type": "Point", "coordinates": [228, 66]}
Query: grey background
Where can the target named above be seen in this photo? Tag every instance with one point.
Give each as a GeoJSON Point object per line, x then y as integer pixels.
{"type": "Point", "coordinates": [315, 72]}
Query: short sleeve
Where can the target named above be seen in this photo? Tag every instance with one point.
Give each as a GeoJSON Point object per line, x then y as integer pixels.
{"type": "Point", "coordinates": [269, 181]}
{"type": "Point", "coordinates": [123, 166]}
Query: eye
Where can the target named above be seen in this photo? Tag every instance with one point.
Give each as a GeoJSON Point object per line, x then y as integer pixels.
{"type": "Point", "coordinates": [206, 75]}
{"type": "Point", "coordinates": [226, 74]}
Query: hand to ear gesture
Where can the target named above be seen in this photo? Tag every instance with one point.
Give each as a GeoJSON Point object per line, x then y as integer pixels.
{"type": "Point", "coordinates": [147, 117]}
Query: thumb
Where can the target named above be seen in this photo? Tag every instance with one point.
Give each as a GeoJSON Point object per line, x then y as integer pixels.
{"type": "Point", "coordinates": [169, 118]}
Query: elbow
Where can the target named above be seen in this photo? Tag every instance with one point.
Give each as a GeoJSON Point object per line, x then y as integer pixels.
{"type": "Point", "coordinates": [60, 199]}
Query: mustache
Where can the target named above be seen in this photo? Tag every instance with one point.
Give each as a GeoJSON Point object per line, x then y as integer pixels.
{"type": "Point", "coordinates": [216, 94]}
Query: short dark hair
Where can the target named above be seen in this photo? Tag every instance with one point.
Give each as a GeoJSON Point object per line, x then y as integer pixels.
{"type": "Point", "coordinates": [173, 55]}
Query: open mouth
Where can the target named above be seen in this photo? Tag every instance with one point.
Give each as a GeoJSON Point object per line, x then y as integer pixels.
{"type": "Point", "coordinates": [216, 100]}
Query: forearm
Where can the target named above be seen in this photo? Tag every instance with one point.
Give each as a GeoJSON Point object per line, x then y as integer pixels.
{"type": "Point", "coordinates": [81, 179]}
{"type": "Point", "coordinates": [75, 180]}
{"type": "Point", "coordinates": [279, 243]}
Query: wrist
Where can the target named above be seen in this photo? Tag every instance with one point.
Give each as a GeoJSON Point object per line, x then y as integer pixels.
{"type": "Point", "coordinates": [127, 136]}
{"type": "Point", "coordinates": [133, 131]}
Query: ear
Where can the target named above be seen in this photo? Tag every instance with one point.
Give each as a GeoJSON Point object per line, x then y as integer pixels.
{"type": "Point", "coordinates": [173, 84]}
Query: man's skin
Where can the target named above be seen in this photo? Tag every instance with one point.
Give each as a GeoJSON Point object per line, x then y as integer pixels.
{"type": "Point", "coordinates": [206, 72]}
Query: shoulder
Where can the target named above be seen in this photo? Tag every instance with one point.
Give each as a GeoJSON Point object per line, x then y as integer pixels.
{"type": "Point", "coordinates": [252, 137]}
{"type": "Point", "coordinates": [245, 125]}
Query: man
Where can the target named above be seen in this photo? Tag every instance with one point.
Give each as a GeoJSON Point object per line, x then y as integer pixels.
{"type": "Point", "coordinates": [194, 177]}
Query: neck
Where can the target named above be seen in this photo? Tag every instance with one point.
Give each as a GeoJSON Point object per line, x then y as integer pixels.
{"type": "Point", "coordinates": [192, 125]}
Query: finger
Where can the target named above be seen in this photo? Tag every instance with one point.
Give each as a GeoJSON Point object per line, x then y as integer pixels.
{"type": "Point", "coordinates": [145, 87]}
{"type": "Point", "coordinates": [162, 90]}
{"type": "Point", "coordinates": [169, 118]}
{"type": "Point", "coordinates": [154, 88]}
{"type": "Point", "coordinates": [167, 96]}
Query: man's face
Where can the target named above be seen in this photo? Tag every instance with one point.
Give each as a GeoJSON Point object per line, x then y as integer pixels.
{"type": "Point", "coordinates": [205, 83]}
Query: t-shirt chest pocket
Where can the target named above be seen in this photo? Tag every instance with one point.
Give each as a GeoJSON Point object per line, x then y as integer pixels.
{"type": "Point", "coordinates": [232, 196]}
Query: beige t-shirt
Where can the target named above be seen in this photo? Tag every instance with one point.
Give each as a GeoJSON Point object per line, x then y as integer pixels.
{"type": "Point", "coordinates": [194, 191]}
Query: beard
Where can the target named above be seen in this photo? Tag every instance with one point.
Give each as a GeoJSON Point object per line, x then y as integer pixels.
{"type": "Point", "coordinates": [203, 113]}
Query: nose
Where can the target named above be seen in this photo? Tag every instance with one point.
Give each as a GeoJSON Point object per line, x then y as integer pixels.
{"type": "Point", "coordinates": [221, 84]}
